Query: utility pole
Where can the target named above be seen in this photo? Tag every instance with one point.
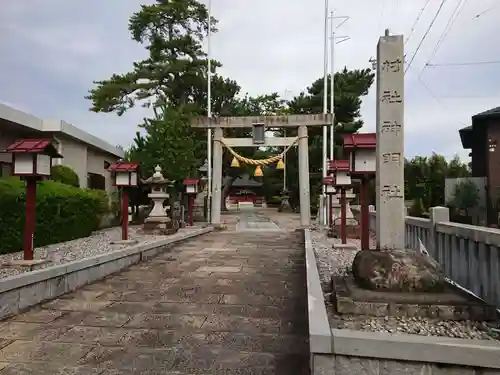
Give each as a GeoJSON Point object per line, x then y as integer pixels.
{"type": "Point", "coordinates": [284, 148]}
{"type": "Point", "coordinates": [323, 210]}
{"type": "Point", "coordinates": [334, 39]}
{"type": "Point", "coordinates": [209, 112]}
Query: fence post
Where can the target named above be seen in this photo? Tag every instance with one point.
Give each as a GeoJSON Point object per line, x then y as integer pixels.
{"type": "Point", "coordinates": [437, 215]}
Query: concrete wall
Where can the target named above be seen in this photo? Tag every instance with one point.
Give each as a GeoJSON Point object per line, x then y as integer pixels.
{"type": "Point", "coordinates": [75, 156]}
{"type": "Point", "coordinates": [96, 164]}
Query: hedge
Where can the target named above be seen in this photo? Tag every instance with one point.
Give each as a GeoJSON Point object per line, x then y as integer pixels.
{"type": "Point", "coordinates": [63, 213]}
{"type": "Point", "coordinates": [66, 175]}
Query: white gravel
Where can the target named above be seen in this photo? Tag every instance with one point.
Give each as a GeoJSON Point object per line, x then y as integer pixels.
{"type": "Point", "coordinates": [98, 243]}
{"type": "Point", "coordinates": [332, 261]}
{"type": "Point", "coordinates": [338, 262]}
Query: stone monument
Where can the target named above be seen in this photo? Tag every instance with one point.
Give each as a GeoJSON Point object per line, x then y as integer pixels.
{"type": "Point", "coordinates": [158, 221]}
{"type": "Point", "coordinates": [391, 267]}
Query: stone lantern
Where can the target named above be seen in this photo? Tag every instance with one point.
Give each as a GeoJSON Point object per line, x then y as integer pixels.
{"type": "Point", "coordinates": [158, 221]}
{"type": "Point", "coordinates": [32, 159]}
{"type": "Point", "coordinates": [361, 150]}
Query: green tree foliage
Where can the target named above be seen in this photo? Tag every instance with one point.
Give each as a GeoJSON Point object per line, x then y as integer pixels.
{"type": "Point", "coordinates": [465, 197]}
{"type": "Point", "coordinates": [168, 143]}
{"type": "Point", "coordinates": [425, 178]}
{"type": "Point", "coordinates": [417, 208]}
{"type": "Point", "coordinates": [65, 175]}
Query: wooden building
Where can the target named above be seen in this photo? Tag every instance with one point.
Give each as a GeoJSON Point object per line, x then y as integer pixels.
{"type": "Point", "coordinates": [482, 138]}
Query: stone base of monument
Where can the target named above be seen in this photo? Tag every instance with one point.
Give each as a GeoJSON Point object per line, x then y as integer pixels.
{"type": "Point", "coordinates": [350, 299]}
{"type": "Point", "coordinates": [162, 226]}
{"type": "Point", "coordinates": [403, 283]}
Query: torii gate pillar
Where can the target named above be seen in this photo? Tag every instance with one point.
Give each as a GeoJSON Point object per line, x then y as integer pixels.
{"type": "Point", "coordinates": [217, 177]}
{"type": "Point", "coordinates": [305, 199]}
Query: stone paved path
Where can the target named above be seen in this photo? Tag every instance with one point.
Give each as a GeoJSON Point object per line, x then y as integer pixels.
{"type": "Point", "coordinates": [224, 303]}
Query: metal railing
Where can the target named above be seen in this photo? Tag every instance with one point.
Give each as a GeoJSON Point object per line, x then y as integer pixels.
{"type": "Point", "coordinates": [468, 254]}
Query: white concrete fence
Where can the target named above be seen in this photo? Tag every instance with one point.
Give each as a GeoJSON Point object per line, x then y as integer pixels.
{"type": "Point", "coordinates": [469, 254]}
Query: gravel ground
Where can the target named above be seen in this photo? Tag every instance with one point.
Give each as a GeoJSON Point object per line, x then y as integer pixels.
{"type": "Point", "coordinates": [98, 243]}
{"type": "Point", "coordinates": [338, 262]}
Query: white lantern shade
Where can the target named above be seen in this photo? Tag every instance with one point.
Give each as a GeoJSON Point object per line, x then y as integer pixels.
{"type": "Point", "coordinates": [23, 164]}
{"type": "Point", "coordinates": [43, 164]}
{"type": "Point", "coordinates": [123, 178]}
{"type": "Point", "coordinates": [330, 189]}
{"type": "Point", "coordinates": [133, 178]}
{"type": "Point", "coordinates": [191, 189]}
{"type": "Point", "coordinates": [342, 178]}
{"type": "Point", "coordinates": [365, 160]}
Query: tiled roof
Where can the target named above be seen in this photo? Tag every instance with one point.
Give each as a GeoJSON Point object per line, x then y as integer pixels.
{"type": "Point", "coordinates": [123, 166]}
{"type": "Point", "coordinates": [37, 146]}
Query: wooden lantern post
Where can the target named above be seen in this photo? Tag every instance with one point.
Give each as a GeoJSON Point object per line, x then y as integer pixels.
{"type": "Point", "coordinates": [192, 187]}
{"type": "Point", "coordinates": [125, 177]}
{"type": "Point", "coordinates": [361, 148]}
{"type": "Point", "coordinates": [32, 159]}
{"type": "Point", "coordinates": [342, 180]}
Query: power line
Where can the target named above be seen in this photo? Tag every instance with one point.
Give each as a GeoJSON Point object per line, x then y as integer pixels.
{"type": "Point", "coordinates": [440, 104]}
{"type": "Point", "coordinates": [470, 63]}
{"type": "Point", "coordinates": [486, 10]}
{"type": "Point", "coordinates": [416, 21]}
{"type": "Point", "coordinates": [425, 35]}
{"type": "Point", "coordinates": [447, 29]}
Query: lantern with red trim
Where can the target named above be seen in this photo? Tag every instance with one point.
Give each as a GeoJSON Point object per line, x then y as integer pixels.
{"type": "Point", "coordinates": [32, 158]}
{"type": "Point", "coordinates": [361, 151]}
{"type": "Point", "coordinates": [125, 173]}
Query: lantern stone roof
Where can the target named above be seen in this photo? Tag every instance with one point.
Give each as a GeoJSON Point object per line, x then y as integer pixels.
{"type": "Point", "coordinates": [246, 181]}
{"type": "Point", "coordinates": [191, 181]}
{"type": "Point", "coordinates": [34, 146]}
{"type": "Point", "coordinates": [360, 140]}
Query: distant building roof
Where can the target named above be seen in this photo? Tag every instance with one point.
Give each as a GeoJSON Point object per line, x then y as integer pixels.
{"type": "Point", "coordinates": [47, 126]}
{"type": "Point", "coordinates": [245, 181]}
{"type": "Point", "coordinates": [494, 112]}
{"type": "Point", "coordinates": [466, 136]}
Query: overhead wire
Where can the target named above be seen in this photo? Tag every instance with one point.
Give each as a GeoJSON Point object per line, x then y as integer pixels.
{"type": "Point", "coordinates": [426, 34]}
{"type": "Point", "coordinates": [412, 30]}
{"type": "Point", "coordinates": [486, 11]}
{"type": "Point", "coordinates": [449, 26]}
{"type": "Point", "coordinates": [467, 63]}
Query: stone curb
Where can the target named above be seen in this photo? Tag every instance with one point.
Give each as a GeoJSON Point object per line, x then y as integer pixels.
{"type": "Point", "coordinates": [28, 289]}
{"type": "Point", "coordinates": [416, 348]}
{"type": "Point", "coordinates": [320, 335]}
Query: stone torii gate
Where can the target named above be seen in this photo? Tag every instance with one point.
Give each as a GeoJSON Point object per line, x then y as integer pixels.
{"type": "Point", "coordinates": [259, 124]}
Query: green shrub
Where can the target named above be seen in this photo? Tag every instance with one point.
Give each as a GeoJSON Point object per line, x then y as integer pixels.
{"type": "Point", "coordinates": [65, 175]}
{"type": "Point", "coordinates": [63, 213]}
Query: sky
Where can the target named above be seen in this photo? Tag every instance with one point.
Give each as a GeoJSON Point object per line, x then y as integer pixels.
{"type": "Point", "coordinates": [53, 50]}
